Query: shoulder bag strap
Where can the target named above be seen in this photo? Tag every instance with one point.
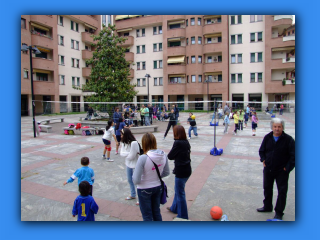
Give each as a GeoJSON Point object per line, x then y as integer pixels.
{"type": "Point", "coordinates": [155, 165]}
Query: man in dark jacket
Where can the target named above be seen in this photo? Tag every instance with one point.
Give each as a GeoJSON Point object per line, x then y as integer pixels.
{"type": "Point", "coordinates": [90, 112]}
{"type": "Point", "coordinates": [172, 122]}
{"type": "Point", "coordinates": [277, 153]}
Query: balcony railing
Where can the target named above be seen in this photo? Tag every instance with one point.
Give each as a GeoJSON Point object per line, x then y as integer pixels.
{"type": "Point", "coordinates": [289, 60]}
{"type": "Point", "coordinates": [278, 17]}
{"type": "Point", "coordinates": [289, 38]}
{"type": "Point", "coordinates": [40, 34]}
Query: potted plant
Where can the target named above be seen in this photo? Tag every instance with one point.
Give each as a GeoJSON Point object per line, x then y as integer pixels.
{"type": "Point", "coordinates": [292, 80]}
{"type": "Point", "coordinates": [284, 82]}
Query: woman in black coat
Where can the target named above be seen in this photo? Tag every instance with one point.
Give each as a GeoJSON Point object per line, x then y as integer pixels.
{"type": "Point", "coordinates": [180, 153]}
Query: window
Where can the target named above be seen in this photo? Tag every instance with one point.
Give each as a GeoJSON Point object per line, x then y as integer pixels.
{"type": "Point", "coordinates": [239, 19]}
{"type": "Point", "coordinates": [138, 49]}
{"type": "Point", "coordinates": [143, 82]}
{"type": "Point", "coordinates": [104, 20]}
{"type": "Point", "coordinates": [61, 59]}
{"type": "Point", "coordinates": [160, 29]}
{"type": "Point", "coordinates": [239, 77]}
{"type": "Point", "coordinates": [138, 32]}
{"type": "Point", "coordinates": [160, 81]}
{"type": "Point", "coordinates": [219, 58]}
{"type": "Point", "coordinates": [233, 39]}
{"type": "Point", "coordinates": [219, 19]}
{"type": "Point", "coordinates": [200, 78]}
{"type": "Point", "coordinates": [209, 40]}
{"type": "Point", "coordinates": [252, 17]}
{"type": "Point", "coordinates": [209, 59]}
{"type": "Point", "coordinates": [199, 21]}
{"type": "Point", "coordinates": [187, 23]}
{"type": "Point", "coordinates": [199, 59]}
{"type": "Point", "coordinates": [193, 78]}
{"type": "Point", "coordinates": [62, 80]}
{"type": "Point", "coordinates": [143, 65]}
{"type": "Point", "coordinates": [260, 57]}
{"type": "Point", "coordinates": [143, 32]}
{"type": "Point", "coordinates": [200, 40]}
{"type": "Point", "coordinates": [74, 26]}
{"type": "Point", "coordinates": [155, 81]}
{"type": "Point", "coordinates": [253, 77]}
{"type": "Point", "coordinates": [173, 26]}
{"type": "Point", "coordinates": [160, 63]}
{"type": "Point", "coordinates": [239, 38]}
{"type": "Point", "coordinates": [78, 65]}
{"type": "Point", "coordinates": [61, 40]}
{"type": "Point", "coordinates": [193, 40]}
{"type": "Point", "coordinates": [220, 78]}
{"type": "Point", "coordinates": [109, 19]}
{"type": "Point", "coordinates": [208, 21]}
{"type": "Point", "coordinates": [187, 41]}
{"type": "Point", "coordinates": [259, 77]}
{"type": "Point", "coordinates": [259, 18]}
{"type": "Point", "coordinates": [192, 22]}
{"type": "Point", "coordinates": [253, 57]}
{"type": "Point", "coordinates": [175, 79]}
{"type": "Point", "coordinates": [138, 65]}
{"type": "Point", "coordinates": [259, 36]}
{"type": "Point", "coordinates": [219, 39]}
{"type": "Point", "coordinates": [233, 20]}
{"type": "Point", "coordinates": [77, 45]}
{"type": "Point", "coordinates": [160, 46]}
{"type": "Point", "coordinates": [209, 78]}
{"type": "Point", "coordinates": [233, 58]}
{"type": "Point", "coordinates": [126, 34]}
{"type": "Point", "coordinates": [25, 73]}
{"type": "Point", "coordinates": [60, 20]}
{"type": "Point", "coordinates": [23, 23]}
{"type": "Point", "coordinates": [155, 31]}
{"type": "Point", "coordinates": [41, 55]}
{"type": "Point", "coordinates": [73, 81]}
{"type": "Point", "coordinates": [41, 76]}
{"type": "Point", "coordinates": [155, 64]}
{"type": "Point", "coordinates": [193, 59]}
{"type": "Point", "coordinates": [233, 78]}
{"type": "Point", "coordinates": [72, 44]}
{"type": "Point", "coordinates": [239, 58]}
{"type": "Point", "coordinates": [155, 47]}
{"type": "Point", "coordinates": [252, 37]}
{"type": "Point", "coordinates": [143, 48]}
{"type": "Point", "coordinates": [138, 82]}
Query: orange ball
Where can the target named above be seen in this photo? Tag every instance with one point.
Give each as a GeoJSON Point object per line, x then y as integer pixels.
{"type": "Point", "coordinates": [216, 212]}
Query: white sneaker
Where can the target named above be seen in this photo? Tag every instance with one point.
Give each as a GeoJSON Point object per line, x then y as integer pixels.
{"type": "Point", "coordinates": [104, 157]}
{"type": "Point", "coordinates": [189, 138]}
{"type": "Point", "coordinates": [109, 160]}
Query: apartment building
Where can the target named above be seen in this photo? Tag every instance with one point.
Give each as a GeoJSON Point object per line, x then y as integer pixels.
{"type": "Point", "coordinates": [65, 44]}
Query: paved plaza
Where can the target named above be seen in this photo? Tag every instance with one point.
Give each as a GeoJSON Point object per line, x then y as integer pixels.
{"type": "Point", "coordinates": [232, 181]}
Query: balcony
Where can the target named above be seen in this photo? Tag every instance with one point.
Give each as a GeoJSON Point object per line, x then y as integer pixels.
{"type": "Point", "coordinates": [139, 21]}
{"type": "Point", "coordinates": [41, 40]}
{"type": "Point", "coordinates": [86, 71]}
{"type": "Point", "coordinates": [212, 48]}
{"type": "Point", "coordinates": [212, 67]}
{"type": "Point", "coordinates": [289, 60]}
{"type": "Point", "coordinates": [86, 37]}
{"type": "Point", "coordinates": [129, 56]}
{"type": "Point", "coordinates": [44, 87]}
{"type": "Point", "coordinates": [213, 28]}
{"type": "Point", "coordinates": [43, 20]}
{"type": "Point", "coordinates": [131, 73]}
{"type": "Point", "coordinates": [175, 17]}
{"type": "Point", "coordinates": [176, 69]}
{"type": "Point", "coordinates": [279, 17]}
{"type": "Point", "coordinates": [278, 42]}
{"type": "Point", "coordinates": [281, 64]}
{"type": "Point", "coordinates": [128, 42]}
{"type": "Point", "coordinates": [176, 88]}
{"type": "Point", "coordinates": [177, 32]}
{"type": "Point", "coordinates": [176, 51]}
{"type": "Point", "coordinates": [88, 19]}
{"type": "Point", "coordinates": [289, 38]}
{"type": "Point", "coordinates": [41, 63]}
{"type": "Point", "coordinates": [86, 54]}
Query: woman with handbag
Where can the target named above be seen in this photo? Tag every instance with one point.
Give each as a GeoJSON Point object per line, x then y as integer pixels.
{"type": "Point", "coordinates": [180, 153]}
{"type": "Point", "coordinates": [130, 150]}
{"type": "Point", "coordinates": [146, 178]}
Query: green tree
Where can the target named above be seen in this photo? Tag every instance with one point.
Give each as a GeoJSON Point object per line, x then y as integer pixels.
{"type": "Point", "coordinates": [110, 70]}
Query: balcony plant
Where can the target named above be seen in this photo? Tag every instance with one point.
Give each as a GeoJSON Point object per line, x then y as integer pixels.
{"type": "Point", "coordinates": [292, 80]}
{"type": "Point", "coordinates": [284, 82]}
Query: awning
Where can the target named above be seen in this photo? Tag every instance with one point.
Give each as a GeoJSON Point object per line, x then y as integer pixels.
{"type": "Point", "coordinates": [119, 17]}
{"type": "Point", "coordinates": [26, 70]}
{"type": "Point", "coordinates": [213, 35]}
{"type": "Point", "coordinates": [176, 22]}
{"type": "Point", "coordinates": [213, 73]}
{"type": "Point", "coordinates": [174, 39]}
{"type": "Point", "coordinates": [211, 16]}
{"type": "Point", "coordinates": [282, 49]}
{"type": "Point", "coordinates": [43, 49]}
{"type": "Point", "coordinates": [177, 75]}
{"type": "Point", "coordinates": [176, 59]}
{"type": "Point", "coordinates": [40, 27]}
{"type": "Point", "coordinates": [41, 71]}
{"type": "Point", "coordinates": [90, 26]}
{"type": "Point", "coordinates": [124, 30]}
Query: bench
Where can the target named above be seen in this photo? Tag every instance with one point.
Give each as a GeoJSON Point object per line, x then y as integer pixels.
{"type": "Point", "coordinates": [45, 128]}
{"type": "Point", "coordinates": [48, 120]}
{"type": "Point", "coordinates": [92, 130]}
{"type": "Point", "coordinates": [136, 129]}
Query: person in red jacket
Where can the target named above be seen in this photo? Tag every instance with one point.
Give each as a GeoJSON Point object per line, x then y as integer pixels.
{"type": "Point", "coordinates": [277, 153]}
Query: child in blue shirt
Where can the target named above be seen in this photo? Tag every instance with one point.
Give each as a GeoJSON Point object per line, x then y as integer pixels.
{"type": "Point", "coordinates": [83, 174]}
{"type": "Point", "coordinates": [84, 206]}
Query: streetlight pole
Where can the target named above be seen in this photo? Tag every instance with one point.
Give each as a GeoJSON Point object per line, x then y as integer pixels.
{"type": "Point", "coordinates": [147, 76]}
{"type": "Point", "coordinates": [31, 49]}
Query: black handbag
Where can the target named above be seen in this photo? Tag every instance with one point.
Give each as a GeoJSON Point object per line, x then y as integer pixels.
{"type": "Point", "coordinates": [141, 150]}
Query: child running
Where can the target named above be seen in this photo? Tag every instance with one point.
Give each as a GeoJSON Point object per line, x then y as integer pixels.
{"type": "Point", "coordinates": [83, 174]}
{"type": "Point", "coordinates": [108, 134]}
{"type": "Point", "coordinates": [193, 125]}
{"type": "Point", "coordinates": [84, 206]}
{"type": "Point", "coordinates": [236, 122]}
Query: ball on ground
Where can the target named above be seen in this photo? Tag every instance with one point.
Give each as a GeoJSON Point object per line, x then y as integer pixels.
{"type": "Point", "coordinates": [193, 117]}
{"type": "Point", "coordinates": [216, 212]}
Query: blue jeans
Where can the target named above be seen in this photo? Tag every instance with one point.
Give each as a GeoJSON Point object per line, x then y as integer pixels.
{"type": "Point", "coordinates": [149, 202]}
{"type": "Point", "coordinates": [194, 131]}
{"type": "Point", "coordinates": [129, 176]}
{"type": "Point", "coordinates": [179, 204]}
{"type": "Point", "coordinates": [147, 120]}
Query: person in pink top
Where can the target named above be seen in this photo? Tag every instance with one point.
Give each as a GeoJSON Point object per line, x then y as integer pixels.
{"type": "Point", "coordinates": [255, 121]}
